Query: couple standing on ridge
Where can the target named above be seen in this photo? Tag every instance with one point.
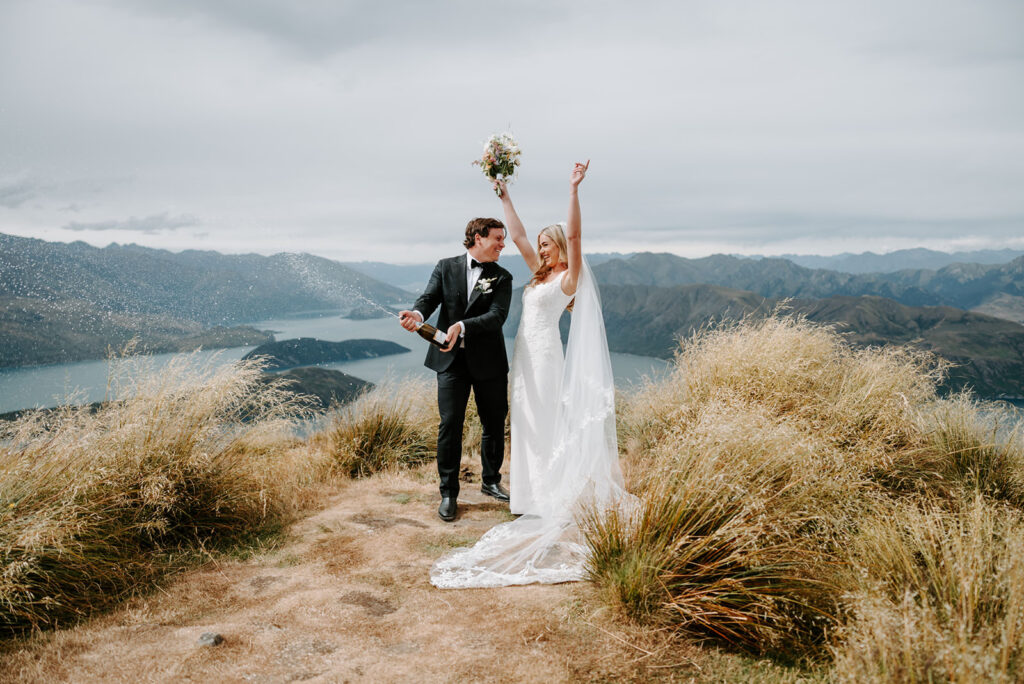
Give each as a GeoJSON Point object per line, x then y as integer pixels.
{"type": "Point", "coordinates": [564, 449]}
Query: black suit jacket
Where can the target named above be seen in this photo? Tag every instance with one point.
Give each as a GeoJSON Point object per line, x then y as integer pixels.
{"type": "Point", "coordinates": [483, 314]}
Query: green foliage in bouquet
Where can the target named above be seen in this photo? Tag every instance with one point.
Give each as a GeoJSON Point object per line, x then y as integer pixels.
{"type": "Point", "coordinates": [500, 158]}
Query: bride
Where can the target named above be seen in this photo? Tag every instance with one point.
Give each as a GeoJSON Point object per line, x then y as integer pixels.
{"type": "Point", "coordinates": [564, 449]}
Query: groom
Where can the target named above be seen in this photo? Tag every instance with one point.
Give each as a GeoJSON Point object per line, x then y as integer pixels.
{"type": "Point", "coordinates": [474, 295]}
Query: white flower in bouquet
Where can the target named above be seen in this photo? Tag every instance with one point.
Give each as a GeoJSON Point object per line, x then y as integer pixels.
{"type": "Point", "coordinates": [501, 157]}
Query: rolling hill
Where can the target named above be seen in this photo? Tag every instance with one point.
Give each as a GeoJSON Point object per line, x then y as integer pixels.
{"type": "Point", "coordinates": [206, 287]}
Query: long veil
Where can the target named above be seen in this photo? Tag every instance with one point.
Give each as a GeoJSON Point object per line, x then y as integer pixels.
{"type": "Point", "coordinates": [545, 544]}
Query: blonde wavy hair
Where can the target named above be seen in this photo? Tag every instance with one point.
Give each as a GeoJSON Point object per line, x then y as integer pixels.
{"type": "Point", "coordinates": [557, 234]}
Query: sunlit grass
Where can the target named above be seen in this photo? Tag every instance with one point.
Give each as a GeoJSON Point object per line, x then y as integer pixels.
{"type": "Point", "coordinates": [94, 505]}
{"type": "Point", "coordinates": [806, 499]}
{"type": "Point", "coordinates": [391, 426]}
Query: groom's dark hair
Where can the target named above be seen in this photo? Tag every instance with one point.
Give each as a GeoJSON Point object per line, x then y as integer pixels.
{"type": "Point", "coordinates": [481, 227]}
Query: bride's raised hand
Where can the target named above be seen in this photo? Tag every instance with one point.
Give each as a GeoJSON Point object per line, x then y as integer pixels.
{"type": "Point", "coordinates": [579, 172]}
{"type": "Point", "coordinates": [500, 189]}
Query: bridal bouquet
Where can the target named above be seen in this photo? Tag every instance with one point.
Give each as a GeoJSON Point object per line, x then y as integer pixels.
{"type": "Point", "coordinates": [501, 157]}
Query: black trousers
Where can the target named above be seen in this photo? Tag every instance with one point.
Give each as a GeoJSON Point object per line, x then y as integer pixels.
{"type": "Point", "coordinates": [453, 386]}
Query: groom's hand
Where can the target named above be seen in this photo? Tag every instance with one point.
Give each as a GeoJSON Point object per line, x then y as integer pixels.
{"type": "Point", "coordinates": [453, 336]}
{"type": "Point", "coordinates": [409, 319]}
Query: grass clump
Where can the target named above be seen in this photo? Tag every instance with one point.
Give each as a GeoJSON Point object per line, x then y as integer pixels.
{"type": "Point", "coordinates": [939, 597]}
{"type": "Point", "coordinates": [799, 496]}
{"type": "Point", "coordinates": [388, 427]}
{"type": "Point", "coordinates": [95, 504]}
{"type": "Point", "coordinates": [975, 448]}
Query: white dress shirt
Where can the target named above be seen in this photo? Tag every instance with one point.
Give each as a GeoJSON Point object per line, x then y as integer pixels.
{"type": "Point", "coordinates": [472, 275]}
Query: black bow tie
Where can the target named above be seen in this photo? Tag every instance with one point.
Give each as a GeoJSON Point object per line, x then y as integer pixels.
{"type": "Point", "coordinates": [473, 263]}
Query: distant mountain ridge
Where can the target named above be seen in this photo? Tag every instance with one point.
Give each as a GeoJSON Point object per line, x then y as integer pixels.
{"type": "Point", "coordinates": [207, 287]}
{"type": "Point", "coordinates": [992, 289]}
{"type": "Point", "coordinates": [413, 277]}
{"type": "Point", "coordinates": [901, 259]}
{"type": "Point", "coordinates": [69, 302]}
{"type": "Point", "coordinates": [649, 299]}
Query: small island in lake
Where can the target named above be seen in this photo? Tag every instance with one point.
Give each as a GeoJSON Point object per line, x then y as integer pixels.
{"type": "Point", "coordinates": [326, 388]}
{"type": "Point", "coordinates": [309, 351]}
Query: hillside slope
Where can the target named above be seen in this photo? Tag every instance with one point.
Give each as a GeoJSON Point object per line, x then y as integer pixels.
{"type": "Point", "coordinates": [36, 331]}
{"type": "Point", "coordinates": [207, 287]}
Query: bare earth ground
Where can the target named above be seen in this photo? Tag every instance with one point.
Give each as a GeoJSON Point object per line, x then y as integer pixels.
{"type": "Point", "coordinates": [346, 597]}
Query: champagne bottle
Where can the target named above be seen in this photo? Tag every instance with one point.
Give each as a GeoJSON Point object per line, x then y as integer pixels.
{"type": "Point", "coordinates": [431, 334]}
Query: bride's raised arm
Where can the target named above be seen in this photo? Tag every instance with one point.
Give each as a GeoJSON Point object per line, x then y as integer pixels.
{"type": "Point", "coordinates": [516, 230]}
{"type": "Point", "coordinates": [573, 230]}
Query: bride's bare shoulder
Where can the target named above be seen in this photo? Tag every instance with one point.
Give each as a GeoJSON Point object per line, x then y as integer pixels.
{"type": "Point", "coordinates": [554, 276]}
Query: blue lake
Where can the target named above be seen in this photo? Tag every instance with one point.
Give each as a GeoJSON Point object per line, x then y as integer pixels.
{"type": "Point", "coordinates": [86, 381]}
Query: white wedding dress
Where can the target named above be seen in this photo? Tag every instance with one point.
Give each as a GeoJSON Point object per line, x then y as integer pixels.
{"type": "Point", "coordinates": [536, 373]}
{"type": "Point", "coordinates": [564, 448]}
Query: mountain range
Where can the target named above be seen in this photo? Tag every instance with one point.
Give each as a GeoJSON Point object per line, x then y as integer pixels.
{"type": "Point", "coordinates": [414, 277]}
{"type": "Point", "coordinates": [994, 289]}
{"type": "Point", "coordinates": [58, 300]}
{"type": "Point", "coordinates": [206, 287]}
{"type": "Point", "coordinates": [68, 302]}
{"type": "Point", "coordinates": [901, 259]}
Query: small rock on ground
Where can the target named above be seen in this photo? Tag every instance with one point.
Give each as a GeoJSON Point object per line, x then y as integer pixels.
{"type": "Point", "coordinates": [210, 639]}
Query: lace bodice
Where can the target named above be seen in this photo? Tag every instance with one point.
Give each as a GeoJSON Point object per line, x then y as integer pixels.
{"type": "Point", "coordinates": [543, 305]}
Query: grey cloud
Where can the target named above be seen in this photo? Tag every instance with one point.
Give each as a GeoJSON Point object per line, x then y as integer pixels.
{"type": "Point", "coordinates": [16, 191]}
{"type": "Point", "coordinates": [320, 28]}
{"type": "Point", "coordinates": [287, 123]}
{"type": "Point", "coordinates": [149, 225]}
{"type": "Point", "coordinates": [18, 188]}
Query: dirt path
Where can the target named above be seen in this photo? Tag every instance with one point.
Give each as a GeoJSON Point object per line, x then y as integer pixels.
{"type": "Point", "coordinates": [347, 598]}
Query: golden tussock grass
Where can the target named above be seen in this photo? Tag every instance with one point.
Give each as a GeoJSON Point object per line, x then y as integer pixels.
{"type": "Point", "coordinates": [393, 425]}
{"type": "Point", "coordinates": [806, 499]}
{"type": "Point", "coordinates": [95, 504]}
{"type": "Point", "coordinates": [936, 595]}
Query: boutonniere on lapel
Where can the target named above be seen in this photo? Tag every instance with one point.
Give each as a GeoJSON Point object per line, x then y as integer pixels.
{"type": "Point", "coordinates": [483, 285]}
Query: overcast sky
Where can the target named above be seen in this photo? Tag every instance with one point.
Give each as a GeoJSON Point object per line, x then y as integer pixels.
{"type": "Point", "coordinates": [346, 128]}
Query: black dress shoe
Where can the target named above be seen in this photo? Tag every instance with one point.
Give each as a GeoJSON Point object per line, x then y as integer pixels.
{"type": "Point", "coordinates": [446, 511]}
{"type": "Point", "coordinates": [495, 490]}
